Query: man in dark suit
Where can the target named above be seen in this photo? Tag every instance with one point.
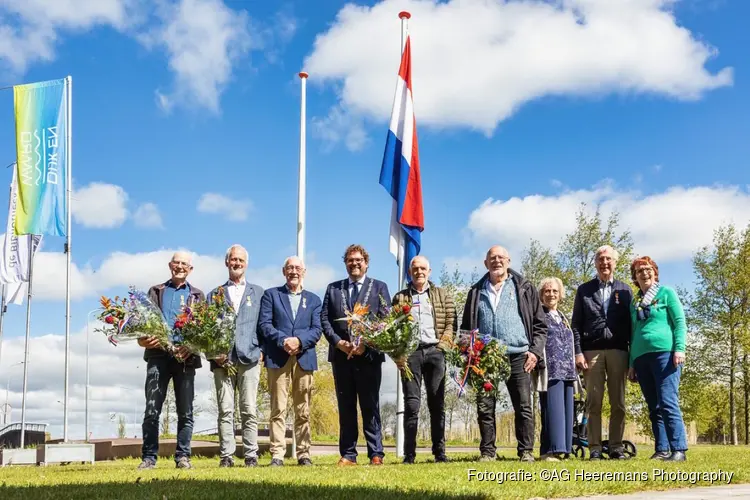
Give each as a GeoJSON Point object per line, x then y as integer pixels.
{"type": "Point", "coordinates": [171, 297]}
{"type": "Point", "coordinates": [290, 325]}
{"type": "Point", "coordinates": [246, 357]}
{"type": "Point", "coordinates": [357, 370]}
{"type": "Point", "coordinates": [601, 329]}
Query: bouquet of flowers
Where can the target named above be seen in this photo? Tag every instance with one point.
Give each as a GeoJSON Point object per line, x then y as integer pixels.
{"type": "Point", "coordinates": [208, 328]}
{"type": "Point", "coordinates": [396, 334]}
{"type": "Point", "coordinates": [132, 318]}
{"type": "Point", "coordinates": [479, 360]}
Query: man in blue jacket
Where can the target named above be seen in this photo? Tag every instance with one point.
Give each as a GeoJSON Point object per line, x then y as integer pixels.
{"type": "Point", "coordinates": [246, 357]}
{"type": "Point", "coordinates": [357, 370]}
{"type": "Point", "coordinates": [290, 325]}
{"type": "Point", "coordinates": [601, 329]}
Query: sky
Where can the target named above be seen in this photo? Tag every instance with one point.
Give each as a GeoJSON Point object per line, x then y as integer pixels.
{"type": "Point", "coordinates": [186, 136]}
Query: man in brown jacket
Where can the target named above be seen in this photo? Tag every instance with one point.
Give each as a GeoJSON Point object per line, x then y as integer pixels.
{"type": "Point", "coordinates": [433, 309]}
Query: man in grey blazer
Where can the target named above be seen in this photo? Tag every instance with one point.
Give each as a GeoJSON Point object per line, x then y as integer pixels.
{"type": "Point", "coordinates": [245, 356]}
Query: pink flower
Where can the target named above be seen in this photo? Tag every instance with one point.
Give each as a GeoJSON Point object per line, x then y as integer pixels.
{"type": "Point", "coordinates": [109, 320]}
{"type": "Point", "coordinates": [488, 386]}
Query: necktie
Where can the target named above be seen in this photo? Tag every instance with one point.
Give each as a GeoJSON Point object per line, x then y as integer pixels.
{"type": "Point", "coordinates": [353, 295]}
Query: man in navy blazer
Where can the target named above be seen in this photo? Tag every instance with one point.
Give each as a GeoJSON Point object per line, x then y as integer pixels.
{"type": "Point", "coordinates": [290, 325]}
{"type": "Point", "coordinates": [601, 330]}
{"type": "Point", "coordinates": [246, 357]}
{"type": "Point", "coordinates": [357, 370]}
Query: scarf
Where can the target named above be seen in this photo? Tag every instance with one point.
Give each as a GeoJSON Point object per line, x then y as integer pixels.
{"type": "Point", "coordinates": [643, 309]}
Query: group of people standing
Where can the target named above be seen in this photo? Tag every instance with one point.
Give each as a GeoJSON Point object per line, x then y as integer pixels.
{"type": "Point", "coordinates": [612, 335]}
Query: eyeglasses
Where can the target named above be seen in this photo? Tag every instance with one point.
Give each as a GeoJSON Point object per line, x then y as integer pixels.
{"type": "Point", "coordinates": [179, 263]}
{"type": "Point", "coordinates": [645, 270]}
{"type": "Point", "coordinates": [294, 268]}
{"type": "Point", "coordinates": [358, 260]}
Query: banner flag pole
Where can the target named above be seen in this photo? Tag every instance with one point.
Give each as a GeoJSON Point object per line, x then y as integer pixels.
{"type": "Point", "coordinates": [68, 189]}
{"type": "Point", "coordinates": [26, 347]}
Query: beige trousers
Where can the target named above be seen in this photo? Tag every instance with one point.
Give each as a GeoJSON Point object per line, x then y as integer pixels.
{"type": "Point", "coordinates": [279, 382]}
{"type": "Point", "coordinates": [610, 366]}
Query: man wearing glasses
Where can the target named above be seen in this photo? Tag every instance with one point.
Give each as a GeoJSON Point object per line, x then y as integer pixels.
{"type": "Point", "coordinates": [506, 306]}
{"type": "Point", "coordinates": [357, 369]}
{"type": "Point", "coordinates": [290, 325]}
{"type": "Point", "coordinates": [170, 296]}
{"type": "Point", "coordinates": [601, 330]}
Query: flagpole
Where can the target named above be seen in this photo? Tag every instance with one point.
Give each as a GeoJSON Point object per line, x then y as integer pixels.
{"type": "Point", "coordinates": [68, 188]}
{"type": "Point", "coordinates": [26, 345]}
{"type": "Point", "coordinates": [301, 194]}
{"type": "Point", "coordinates": [2, 319]}
{"type": "Point", "coordinates": [404, 16]}
{"type": "Point", "coordinates": [302, 187]}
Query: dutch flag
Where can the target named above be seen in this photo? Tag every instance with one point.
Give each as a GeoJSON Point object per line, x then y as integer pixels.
{"type": "Point", "coordinates": [399, 174]}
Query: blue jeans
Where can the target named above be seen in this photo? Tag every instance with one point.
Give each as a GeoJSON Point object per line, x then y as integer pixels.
{"type": "Point", "coordinates": [660, 383]}
{"type": "Point", "coordinates": [557, 417]}
{"type": "Point", "coordinates": [158, 374]}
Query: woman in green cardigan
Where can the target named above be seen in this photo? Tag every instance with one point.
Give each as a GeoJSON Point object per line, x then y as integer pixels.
{"type": "Point", "coordinates": [657, 353]}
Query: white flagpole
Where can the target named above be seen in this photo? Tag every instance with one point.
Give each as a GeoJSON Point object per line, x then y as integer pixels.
{"type": "Point", "coordinates": [26, 345]}
{"type": "Point", "coordinates": [302, 187]}
{"type": "Point", "coordinates": [68, 189]}
{"type": "Point", "coordinates": [2, 318]}
{"type": "Point", "coordinates": [404, 16]}
{"type": "Point", "coordinates": [301, 192]}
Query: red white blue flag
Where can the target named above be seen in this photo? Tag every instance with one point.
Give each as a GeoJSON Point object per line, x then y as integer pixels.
{"type": "Point", "coordinates": [399, 174]}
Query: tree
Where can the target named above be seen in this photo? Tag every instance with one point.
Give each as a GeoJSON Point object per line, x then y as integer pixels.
{"type": "Point", "coordinates": [539, 262]}
{"type": "Point", "coordinates": [121, 427]}
{"type": "Point", "coordinates": [324, 415]}
{"type": "Point", "coordinates": [719, 311]}
{"type": "Point", "coordinates": [388, 417]}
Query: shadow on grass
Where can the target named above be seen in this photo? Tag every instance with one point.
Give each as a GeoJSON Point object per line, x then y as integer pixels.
{"type": "Point", "coordinates": [202, 489]}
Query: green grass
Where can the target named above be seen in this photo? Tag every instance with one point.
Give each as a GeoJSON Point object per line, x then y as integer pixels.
{"type": "Point", "coordinates": [423, 481]}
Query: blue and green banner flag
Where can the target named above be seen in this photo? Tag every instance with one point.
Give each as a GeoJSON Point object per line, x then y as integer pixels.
{"type": "Point", "coordinates": [42, 158]}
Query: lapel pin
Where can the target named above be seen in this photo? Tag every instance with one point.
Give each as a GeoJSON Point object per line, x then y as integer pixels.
{"type": "Point", "coordinates": [249, 302]}
{"type": "Point", "coordinates": [617, 297]}
{"type": "Point", "coordinates": [304, 302]}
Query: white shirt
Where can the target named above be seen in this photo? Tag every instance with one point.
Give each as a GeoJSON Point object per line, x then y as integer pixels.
{"type": "Point", "coordinates": [236, 291]}
{"type": "Point", "coordinates": [495, 294]}
{"type": "Point", "coordinates": [606, 291]}
{"type": "Point", "coordinates": [424, 315]}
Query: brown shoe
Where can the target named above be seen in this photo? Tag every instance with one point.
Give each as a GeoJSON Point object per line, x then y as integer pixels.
{"type": "Point", "coordinates": [345, 461]}
{"type": "Point", "coordinates": [376, 461]}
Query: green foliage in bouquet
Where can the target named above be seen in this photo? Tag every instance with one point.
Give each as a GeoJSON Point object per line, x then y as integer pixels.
{"type": "Point", "coordinates": [479, 361]}
{"type": "Point", "coordinates": [207, 328]}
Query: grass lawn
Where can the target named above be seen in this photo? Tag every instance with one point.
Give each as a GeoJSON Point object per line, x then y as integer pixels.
{"type": "Point", "coordinates": [423, 481]}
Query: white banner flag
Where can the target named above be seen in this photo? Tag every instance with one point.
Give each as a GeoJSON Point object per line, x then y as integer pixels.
{"type": "Point", "coordinates": [14, 261]}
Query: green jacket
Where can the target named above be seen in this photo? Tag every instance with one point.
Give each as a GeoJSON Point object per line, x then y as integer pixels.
{"type": "Point", "coordinates": [443, 311]}
{"type": "Point", "coordinates": [664, 330]}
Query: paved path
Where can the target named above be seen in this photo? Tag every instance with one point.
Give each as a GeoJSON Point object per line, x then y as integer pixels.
{"type": "Point", "coordinates": [702, 493]}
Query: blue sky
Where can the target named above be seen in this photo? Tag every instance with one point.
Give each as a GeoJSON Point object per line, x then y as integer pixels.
{"type": "Point", "coordinates": [186, 130]}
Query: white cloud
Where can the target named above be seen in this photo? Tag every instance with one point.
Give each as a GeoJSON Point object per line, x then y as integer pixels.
{"type": "Point", "coordinates": [204, 40]}
{"type": "Point", "coordinates": [232, 209]}
{"type": "Point", "coordinates": [142, 270]}
{"type": "Point", "coordinates": [100, 205]}
{"type": "Point", "coordinates": [475, 63]}
{"type": "Point", "coordinates": [669, 225]}
{"type": "Point", "coordinates": [341, 125]}
{"type": "Point", "coordinates": [116, 381]}
{"type": "Point", "coordinates": [39, 24]}
{"type": "Point", "coordinates": [147, 215]}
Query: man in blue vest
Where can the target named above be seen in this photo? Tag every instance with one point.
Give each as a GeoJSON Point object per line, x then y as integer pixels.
{"type": "Point", "coordinates": [246, 356]}
{"type": "Point", "coordinates": [290, 322]}
{"type": "Point", "coordinates": [506, 306]}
